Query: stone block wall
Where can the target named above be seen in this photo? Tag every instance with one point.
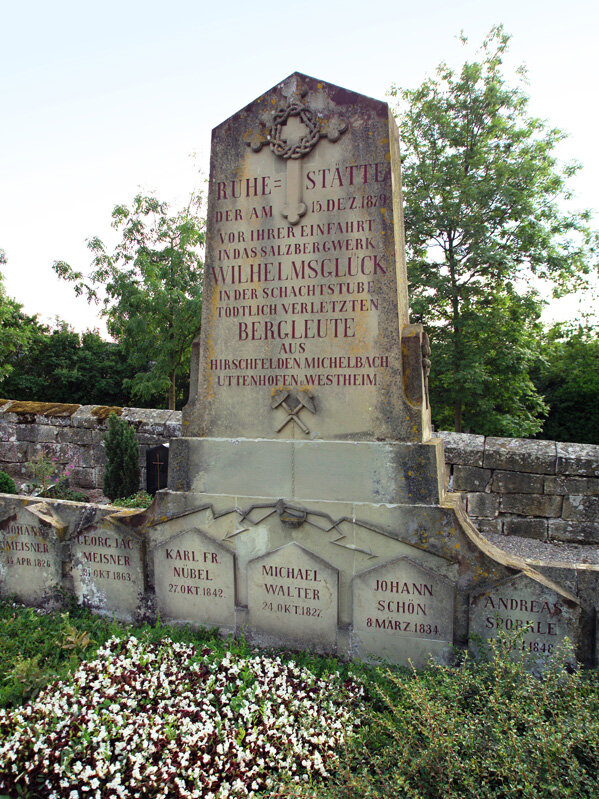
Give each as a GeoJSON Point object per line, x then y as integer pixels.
{"type": "Point", "coordinates": [73, 434]}
{"type": "Point", "coordinates": [547, 490]}
{"type": "Point", "coordinates": [544, 490]}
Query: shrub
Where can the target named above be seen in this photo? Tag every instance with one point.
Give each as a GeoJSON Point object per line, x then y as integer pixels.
{"type": "Point", "coordinates": [7, 484]}
{"type": "Point", "coordinates": [121, 477]}
{"type": "Point", "coordinates": [488, 728]}
{"type": "Point", "coordinates": [141, 499]}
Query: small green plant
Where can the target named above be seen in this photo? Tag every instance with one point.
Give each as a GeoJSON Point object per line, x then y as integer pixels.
{"type": "Point", "coordinates": [41, 467]}
{"type": "Point", "coordinates": [62, 490]}
{"type": "Point", "coordinates": [71, 638]}
{"type": "Point", "coordinates": [121, 477]}
{"type": "Point", "coordinates": [28, 676]}
{"type": "Point", "coordinates": [7, 484]}
{"type": "Point", "coordinates": [141, 499]}
{"type": "Point", "coordinates": [44, 469]}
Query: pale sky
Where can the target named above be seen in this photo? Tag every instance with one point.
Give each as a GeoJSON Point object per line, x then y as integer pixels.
{"type": "Point", "coordinates": [101, 100]}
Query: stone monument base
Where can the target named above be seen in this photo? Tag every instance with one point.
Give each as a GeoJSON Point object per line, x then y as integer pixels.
{"type": "Point", "coordinates": [367, 471]}
{"type": "Point", "coordinates": [390, 581]}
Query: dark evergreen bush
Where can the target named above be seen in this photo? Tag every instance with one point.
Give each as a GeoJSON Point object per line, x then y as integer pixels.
{"type": "Point", "coordinates": [7, 484]}
{"type": "Point", "coordinates": [121, 476]}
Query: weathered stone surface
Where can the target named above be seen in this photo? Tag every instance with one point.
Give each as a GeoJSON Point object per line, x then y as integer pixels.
{"type": "Point", "coordinates": [37, 433]}
{"type": "Point", "coordinates": [578, 459]}
{"type": "Point", "coordinates": [172, 429]}
{"type": "Point", "coordinates": [565, 485]}
{"type": "Point", "coordinates": [546, 614]}
{"type": "Point", "coordinates": [194, 580]}
{"type": "Point", "coordinates": [470, 478]}
{"type": "Point", "coordinates": [486, 505]}
{"type": "Point", "coordinates": [526, 528]}
{"type": "Point", "coordinates": [532, 504]}
{"type": "Point", "coordinates": [75, 435]}
{"type": "Point", "coordinates": [293, 599]}
{"type": "Point", "coordinates": [147, 418]}
{"type": "Point", "coordinates": [10, 452]}
{"type": "Point", "coordinates": [403, 613]}
{"type": "Point", "coordinates": [7, 432]}
{"type": "Point", "coordinates": [577, 507]}
{"type": "Point", "coordinates": [578, 532]}
{"type": "Point", "coordinates": [83, 417]}
{"type": "Point", "coordinates": [332, 470]}
{"type": "Point", "coordinates": [520, 455]}
{"type": "Point", "coordinates": [485, 526]}
{"type": "Point", "coordinates": [587, 590]}
{"type": "Point", "coordinates": [86, 478]}
{"type": "Point", "coordinates": [60, 453]}
{"type": "Point", "coordinates": [42, 419]}
{"type": "Point", "coordinates": [463, 448]}
{"type": "Point", "coordinates": [108, 570]}
{"type": "Point", "coordinates": [305, 294]}
{"type": "Point", "coordinates": [30, 559]}
{"type": "Point", "coordinates": [517, 483]}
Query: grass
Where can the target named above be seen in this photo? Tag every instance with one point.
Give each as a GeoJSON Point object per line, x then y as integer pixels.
{"type": "Point", "coordinates": [482, 729]}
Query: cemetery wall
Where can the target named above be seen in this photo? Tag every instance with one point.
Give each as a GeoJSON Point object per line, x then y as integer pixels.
{"type": "Point", "coordinates": [73, 434]}
{"type": "Point", "coordinates": [544, 490]}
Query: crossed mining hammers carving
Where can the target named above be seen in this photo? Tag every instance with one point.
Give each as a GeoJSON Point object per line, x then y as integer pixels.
{"type": "Point", "coordinates": [293, 404]}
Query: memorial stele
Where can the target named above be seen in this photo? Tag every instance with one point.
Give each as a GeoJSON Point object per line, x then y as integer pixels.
{"type": "Point", "coordinates": [307, 450]}
{"type": "Point", "coordinates": [306, 504]}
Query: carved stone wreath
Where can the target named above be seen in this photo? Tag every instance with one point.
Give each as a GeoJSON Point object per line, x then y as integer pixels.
{"type": "Point", "coordinates": [282, 148]}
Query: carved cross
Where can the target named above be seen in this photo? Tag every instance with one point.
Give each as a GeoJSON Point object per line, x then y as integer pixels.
{"type": "Point", "coordinates": [294, 133]}
{"type": "Point", "coordinates": [158, 463]}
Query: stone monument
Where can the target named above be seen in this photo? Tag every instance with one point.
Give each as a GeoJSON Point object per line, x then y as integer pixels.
{"type": "Point", "coordinates": [307, 457]}
{"type": "Point", "coordinates": [306, 503]}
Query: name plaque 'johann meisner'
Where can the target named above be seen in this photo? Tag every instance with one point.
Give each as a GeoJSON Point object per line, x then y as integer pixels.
{"type": "Point", "coordinates": [306, 502]}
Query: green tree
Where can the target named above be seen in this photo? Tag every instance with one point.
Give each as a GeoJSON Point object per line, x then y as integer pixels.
{"type": "Point", "coordinates": [485, 225]}
{"type": "Point", "coordinates": [60, 365]}
{"type": "Point", "coordinates": [150, 287]}
{"type": "Point", "coordinates": [500, 338]}
{"type": "Point", "coordinates": [15, 328]}
{"type": "Point", "coordinates": [568, 377]}
{"type": "Point", "coordinates": [121, 476]}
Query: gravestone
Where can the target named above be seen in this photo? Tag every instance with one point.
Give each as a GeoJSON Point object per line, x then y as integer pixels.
{"type": "Point", "coordinates": [293, 594]}
{"type": "Point", "coordinates": [194, 580]}
{"type": "Point", "coordinates": [403, 612]}
{"type": "Point", "coordinates": [539, 612]}
{"type": "Point", "coordinates": [306, 445]}
{"type": "Point", "coordinates": [107, 569]}
{"type": "Point", "coordinates": [156, 468]}
{"type": "Point", "coordinates": [30, 558]}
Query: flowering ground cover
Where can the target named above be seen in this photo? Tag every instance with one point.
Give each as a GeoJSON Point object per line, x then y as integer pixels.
{"type": "Point", "coordinates": [287, 722]}
{"type": "Point", "coordinates": [169, 719]}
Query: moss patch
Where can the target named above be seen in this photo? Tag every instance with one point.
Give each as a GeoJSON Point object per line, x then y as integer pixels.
{"type": "Point", "coordinates": [104, 411]}
{"type": "Point", "coordinates": [43, 408]}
